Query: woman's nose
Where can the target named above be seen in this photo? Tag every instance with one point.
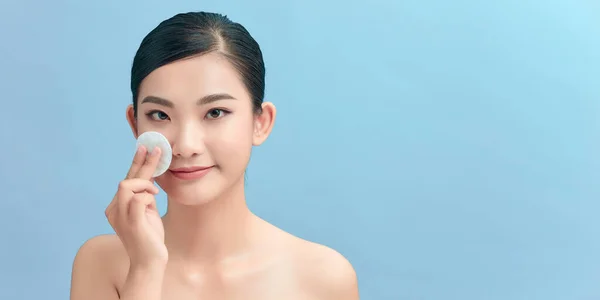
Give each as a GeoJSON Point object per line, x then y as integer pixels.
{"type": "Point", "coordinates": [189, 142]}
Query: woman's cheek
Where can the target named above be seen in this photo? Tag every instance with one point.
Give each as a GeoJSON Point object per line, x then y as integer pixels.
{"type": "Point", "coordinates": [234, 139]}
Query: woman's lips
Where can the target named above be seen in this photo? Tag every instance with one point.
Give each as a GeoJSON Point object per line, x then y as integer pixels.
{"type": "Point", "coordinates": [190, 173]}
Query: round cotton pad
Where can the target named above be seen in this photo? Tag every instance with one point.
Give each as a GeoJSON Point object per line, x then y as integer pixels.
{"type": "Point", "coordinates": [151, 139]}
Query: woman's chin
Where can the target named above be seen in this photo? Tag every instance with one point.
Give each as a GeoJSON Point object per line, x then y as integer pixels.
{"type": "Point", "coordinates": [197, 194]}
{"type": "Point", "coordinates": [190, 195]}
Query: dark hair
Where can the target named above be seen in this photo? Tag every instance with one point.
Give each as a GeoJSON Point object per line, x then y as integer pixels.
{"type": "Point", "coordinates": [195, 33]}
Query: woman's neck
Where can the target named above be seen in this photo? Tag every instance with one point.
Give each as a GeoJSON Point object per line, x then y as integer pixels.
{"type": "Point", "coordinates": [213, 232]}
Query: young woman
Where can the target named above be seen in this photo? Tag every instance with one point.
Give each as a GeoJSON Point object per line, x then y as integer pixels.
{"type": "Point", "coordinates": [198, 78]}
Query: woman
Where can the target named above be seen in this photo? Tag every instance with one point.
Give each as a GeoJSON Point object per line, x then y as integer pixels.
{"type": "Point", "coordinates": [198, 78]}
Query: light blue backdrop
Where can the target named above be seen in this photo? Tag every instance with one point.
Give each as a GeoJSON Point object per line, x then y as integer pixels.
{"type": "Point", "coordinates": [449, 149]}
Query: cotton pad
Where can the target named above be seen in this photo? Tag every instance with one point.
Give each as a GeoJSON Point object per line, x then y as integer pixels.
{"type": "Point", "coordinates": [151, 139]}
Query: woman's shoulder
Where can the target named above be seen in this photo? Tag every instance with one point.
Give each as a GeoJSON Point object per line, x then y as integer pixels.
{"type": "Point", "coordinates": [322, 269]}
{"type": "Point", "coordinates": [105, 247]}
{"type": "Point", "coordinates": [102, 241]}
{"type": "Point", "coordinates": [103, 256]}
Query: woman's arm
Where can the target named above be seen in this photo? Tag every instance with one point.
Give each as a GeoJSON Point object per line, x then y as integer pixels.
{"type": "Point", "coordinates": [144, 283]}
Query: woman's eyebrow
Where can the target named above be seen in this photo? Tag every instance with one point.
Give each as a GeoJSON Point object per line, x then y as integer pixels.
{"type": "Point", "coordinates": [202, 101]}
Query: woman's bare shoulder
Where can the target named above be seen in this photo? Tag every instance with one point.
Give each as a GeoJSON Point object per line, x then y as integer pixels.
{"type": "Point", "coordinates": [98, 265]}
{"type": "Point", "coordinates": [324, 270]}
{"type": "Point", "coordinates": [105, 248]}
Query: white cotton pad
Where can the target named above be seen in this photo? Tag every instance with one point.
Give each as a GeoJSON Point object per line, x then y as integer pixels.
{"type": "Point", "coordinates": [151, 139]}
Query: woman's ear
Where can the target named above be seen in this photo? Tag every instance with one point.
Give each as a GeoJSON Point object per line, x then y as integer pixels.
{"type": "Point", "coordinates": [132, 120]}
{"type": "Point", "coordinates": [263, 123]}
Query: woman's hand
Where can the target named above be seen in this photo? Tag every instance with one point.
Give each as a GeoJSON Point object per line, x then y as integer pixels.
{"type": "Point", "coordinates": [134, 216]}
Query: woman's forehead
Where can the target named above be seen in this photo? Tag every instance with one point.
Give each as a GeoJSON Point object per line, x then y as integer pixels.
{"type": "Point", "coordinates": [194, 78]}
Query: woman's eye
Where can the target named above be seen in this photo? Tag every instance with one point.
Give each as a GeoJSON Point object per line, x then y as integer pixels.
{"type": "Point", "coordinates": [158, 115]}
{"type": "Point", "coordinates": [215, 113]}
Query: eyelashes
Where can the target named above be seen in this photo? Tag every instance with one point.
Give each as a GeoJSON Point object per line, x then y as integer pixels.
{"type": "Point", "coordinates": [157, 115]}
{"type": "Point", "coordinates": [219, 113]}
{"type": "Point", "coordinates": [212, 114]}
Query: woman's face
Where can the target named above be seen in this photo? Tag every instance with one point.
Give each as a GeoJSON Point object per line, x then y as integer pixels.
{"type": "Point", "coordinates": [203, 108]}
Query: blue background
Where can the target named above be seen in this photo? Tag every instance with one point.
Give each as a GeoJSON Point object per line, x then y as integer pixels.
{"type": "Point", "coordinates": [449, 149]}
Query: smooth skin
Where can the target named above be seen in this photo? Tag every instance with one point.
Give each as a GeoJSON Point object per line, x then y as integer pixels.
{"type": "Point", "coordinates": [208, 245]}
